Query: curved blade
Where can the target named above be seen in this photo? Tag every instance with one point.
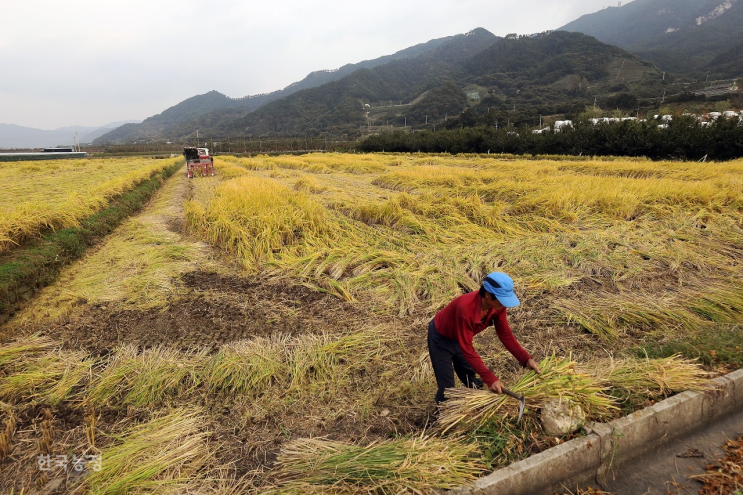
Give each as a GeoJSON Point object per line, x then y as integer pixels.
{"type": "Point", "coordinates": [520, 398]}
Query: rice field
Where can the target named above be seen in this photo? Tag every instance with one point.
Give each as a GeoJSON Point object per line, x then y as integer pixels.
{"type": "Point", "coordinates": [57, 194]}
{"type": "Point", "coordinates": [263, 331]}
{"type": "Point", "coordinates": [656, 242]}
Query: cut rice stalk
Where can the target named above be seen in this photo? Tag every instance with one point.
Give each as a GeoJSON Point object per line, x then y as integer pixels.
{"type": "Point", "coordinates": [414, 465]}
{"type": "Point", "coordinates": [49, 378]}
{"type": "Point", "coordinates": [651, 377]}
{"type": "Point", "coordinates": [248, 365]}
{"type": "Point", "coordinates": [146, 378]}
{"type": "Point", "coordinates": [320, 356]}
{"type": "Point", "coordinates": [470, 408]}
{"type": "Point", "coordinates": [165, 452]}
{"type": "Point", "coordinates": [22, 348]}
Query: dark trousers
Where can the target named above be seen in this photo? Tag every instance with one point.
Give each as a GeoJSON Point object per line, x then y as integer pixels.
{"type": "Point", "coordinates": [444, 353]}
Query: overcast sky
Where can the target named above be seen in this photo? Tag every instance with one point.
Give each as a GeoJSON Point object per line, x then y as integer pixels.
{"type": "Point", "coordinates": [90, 62]}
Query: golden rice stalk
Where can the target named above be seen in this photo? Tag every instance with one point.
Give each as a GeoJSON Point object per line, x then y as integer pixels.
{"type": "Point", "coordinates": [248, 366]}
{"type": "Point", "coordinates": [651, 377]}
{"type": "Point", "coordinates": [6, 434]}
{"type": "Point", "coordinates": [257, 218]}
{"type": "Point", "coordinates": [47, 433]}
{"type": "Point", "coordinates": [25, 347]}
{"type": "Point", "coordinates": [470, 408]}
{"type": "Point", "coordinates": [405, 465]}
{"type": "Point", "coordinates": [46, 209]}
{"type": "Point", "coordinates": [321, 358]}
{"type": "Point", "coordinates": [165, 452]}
{"type": "Point", "coordinates": [90, 423]}
{"type": "Point", "coordinates": [145, 378]}
{"type": "Point", "coordinates": [49, 378]}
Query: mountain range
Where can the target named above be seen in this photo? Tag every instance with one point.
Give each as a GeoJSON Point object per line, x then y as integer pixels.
{"type": "Point", "coordinates": [19, 137]}
{"type": "Point", "coordinates": [611, 57]}
{"type": "Point", "coordinates": [204, 110]}
{"type": "Point", "coordinates": [545, 73]}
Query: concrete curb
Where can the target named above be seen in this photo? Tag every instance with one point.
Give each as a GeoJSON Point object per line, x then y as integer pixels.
{"type": "Point", "coordinates": [589, 459]}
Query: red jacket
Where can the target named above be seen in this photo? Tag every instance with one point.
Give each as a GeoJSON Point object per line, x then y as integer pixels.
{"type": "Point", "coordinates": [460, 321]}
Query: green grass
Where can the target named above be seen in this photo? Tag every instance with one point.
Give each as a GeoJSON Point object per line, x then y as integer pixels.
{"type": "Point", "coordinates": [505, 442]}
{"type": "Point", "coordinates": [717, 346]}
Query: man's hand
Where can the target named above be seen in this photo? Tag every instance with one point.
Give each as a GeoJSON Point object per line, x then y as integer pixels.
{"type": "Point", "coordinates": [496, 387]}
{"type": "Point", "coordinates": [532, 365]}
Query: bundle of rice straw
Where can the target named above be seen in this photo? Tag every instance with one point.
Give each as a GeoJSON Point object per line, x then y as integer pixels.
{"type": "Point", "coordinates": [402, 465]}
{"type": "Point", "coordinates": [470, 408]}
{"type": "Point", "coordinates": [651, 377]}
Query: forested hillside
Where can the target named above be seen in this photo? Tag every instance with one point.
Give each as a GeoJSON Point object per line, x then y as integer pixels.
{"type": "Point", "coordinates": [683, 36]}
{"type": "Point", "coordinates": [338, 106]}
{"type": "Point", "coordinates": [172, 121]}
{"type": "Point", "coordinates": [511, 79]}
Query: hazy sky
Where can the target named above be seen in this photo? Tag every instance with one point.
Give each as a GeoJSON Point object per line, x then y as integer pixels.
{"type": "Point", "coordinates": [91, 62]}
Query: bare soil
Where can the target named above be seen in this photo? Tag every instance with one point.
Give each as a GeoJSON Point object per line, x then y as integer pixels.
{"type": "Point", "coordinates": [211, 310]}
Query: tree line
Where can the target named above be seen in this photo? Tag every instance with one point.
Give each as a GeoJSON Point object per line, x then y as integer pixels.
{"type": "Point", "coordinates": [682, 138]}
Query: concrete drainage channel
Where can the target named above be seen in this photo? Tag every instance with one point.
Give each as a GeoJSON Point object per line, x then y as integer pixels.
{"type": "Point", "coordinates": [589, 459]}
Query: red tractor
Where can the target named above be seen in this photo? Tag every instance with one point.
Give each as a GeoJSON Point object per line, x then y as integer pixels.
{"type": "Point", "coordinates": [198, 162]}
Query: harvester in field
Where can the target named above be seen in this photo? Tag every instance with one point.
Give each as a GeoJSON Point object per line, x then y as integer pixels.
{"type": "Point", "coordinates": [198, 162]}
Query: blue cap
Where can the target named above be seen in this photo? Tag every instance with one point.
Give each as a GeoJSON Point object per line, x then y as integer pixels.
{"type": "Point", "coordinates": [501, 286]}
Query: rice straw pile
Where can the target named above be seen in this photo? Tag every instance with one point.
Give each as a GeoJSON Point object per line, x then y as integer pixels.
{"type": "Point", "coordinates": [161, 454]}
{"type": "Point", "coordinates": [25, 347]}
{"type": "Point", "coordinates": [651, 377]}
{"type": "Point", "coordinates": [406, 465]}
{"type": "Point", "coordinates": [471, 408]}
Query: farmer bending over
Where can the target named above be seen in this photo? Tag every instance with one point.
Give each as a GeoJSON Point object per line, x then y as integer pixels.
{"type": "Point", "coordinates": [451, 331]}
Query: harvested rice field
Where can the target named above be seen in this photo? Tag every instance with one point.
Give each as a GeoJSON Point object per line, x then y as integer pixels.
{"type": "Point", "coordinates": [57, 194]}
{"type": "Point", "coordinates": [264, 331]}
